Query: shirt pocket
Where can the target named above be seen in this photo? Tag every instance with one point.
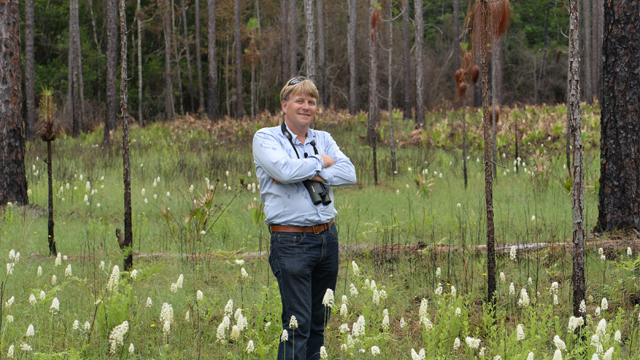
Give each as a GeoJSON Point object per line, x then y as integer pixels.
{"type": "Point", "coordinates": [289, 239]}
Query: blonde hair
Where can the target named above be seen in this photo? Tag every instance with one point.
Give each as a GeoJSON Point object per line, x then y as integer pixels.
{"type": "Point", "coordinates": [304, 87]}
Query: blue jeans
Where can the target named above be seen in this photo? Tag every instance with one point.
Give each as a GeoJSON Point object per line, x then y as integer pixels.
{"type": "Point", "coordinates": [305, 265]}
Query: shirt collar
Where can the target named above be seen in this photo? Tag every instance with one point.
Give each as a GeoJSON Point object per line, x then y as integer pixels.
{"type": "Point", "coordinates": [311, 134]}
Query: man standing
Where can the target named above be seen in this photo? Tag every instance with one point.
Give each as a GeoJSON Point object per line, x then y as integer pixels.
{"type": "Point", "coordinates": [297, 166]}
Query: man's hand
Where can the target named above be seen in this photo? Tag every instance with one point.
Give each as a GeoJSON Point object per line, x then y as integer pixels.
{"type": "Point", "coordinates": [328, 161]}
{"type": "Point", "coordinates": [318, 179]}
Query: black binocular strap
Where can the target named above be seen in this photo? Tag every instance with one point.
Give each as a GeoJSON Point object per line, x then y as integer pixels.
{"type": "Point", "coordinates": [286, 133]}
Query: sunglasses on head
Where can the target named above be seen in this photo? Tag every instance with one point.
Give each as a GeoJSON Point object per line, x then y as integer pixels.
{"type": "Point", "coordinates": [299, 79]}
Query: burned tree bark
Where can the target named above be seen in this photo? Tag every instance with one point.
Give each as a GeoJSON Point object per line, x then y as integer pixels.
{"type": "Point", "coordinates": [321, 72]}
{"type": "Point", "coordinates": [573, 112]}
{"type": "Point", "coordinates": [374, 106]}
{"type": "Point", "coordinates": [212, 102]}
{"type": "Point", "coordinates": [392, 142]}
{"type": "Point", "coordinates": [112, 71]}
{"type": "Point", "coordinates": [13, 180]}
{"type": "Point", "coordinates": [351, 40]}
{"type": "Point", "coordinates": [619, 197]}
{"type": "Point", "coordinates": [292, 17]}
{"type": "Point", "coordinates": [124, 97]}
{"type": "Point", "coordinates": [586, 7]}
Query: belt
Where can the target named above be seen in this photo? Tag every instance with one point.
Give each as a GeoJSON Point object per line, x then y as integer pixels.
{"type": "Point", "coordinates": [316, 229]}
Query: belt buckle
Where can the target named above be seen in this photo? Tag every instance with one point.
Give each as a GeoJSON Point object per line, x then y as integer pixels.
{"type": "Point", "coordinates": [314, 229]}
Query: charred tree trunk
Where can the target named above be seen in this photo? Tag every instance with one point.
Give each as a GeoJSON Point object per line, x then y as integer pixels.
{"type": "Point", "coordinates": [310, 53]}
{"type": "Point", "coordinates": [321, 73]}
{"type": "Point", "coordinates": [29, 68]}
{"type": "Point", "coordinates": [198, 60]}
{"type": "Point", "coordinates": [588, 94]}
{"type": "Point", "coordinates": [284, 42]}
{"type": "Point", "coordinates": [186, 45]}
{"type": "Point", "coordinates": [392, 141]}
{"type": "Point", "coordinates": [491, 251]}
{"type": "Point", "coordinates": [406, 60]}
{"type": "Point", "coordinates": [351, 40]}
{"type": "Point", "coordinates": [124, 97]}
{"type": "Point", "coordinates": [79, 79]}
{"type": "Point", "coordinates": [619, 198]}
{"type": "Point", "coordinates": [139, 22]}
{"type": "Point", "coordinates": [174, 43]}
{"type": "Point", "coordinates": [13, 180]}
{"type": "Point", "coordinates": [73, 69]}
{"type": "Point", "coordinates": [168, 82]}
{"type": "Point", "coordinates": [596, 45]}
{"type": "Point", "coordinates": [573, 113]}
{"type": "Point", "coordinates": [477, 90]}
{"type": "Point", "coordinates": [419, 65]}
{"type": "Point", "coordinates": [112, 71]}
{"type": "Point", "coordinates": [292, 16]}
{"type": "Point", "coordinates": [238, 49]}
{"type": "Point", "coordinates": [464, 142]}
{"type": "Point", "coordinates": [540, 91]}
{"type": "Point", "coordinates": [212, 102]}
{"type": "Point", "coordinates": [374, 107]}
{"type": "Point", "coordinates": [50, 225]}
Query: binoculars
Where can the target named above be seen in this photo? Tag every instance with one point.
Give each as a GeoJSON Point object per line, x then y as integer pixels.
{"type": "Point", "coordinates": [318, 192]}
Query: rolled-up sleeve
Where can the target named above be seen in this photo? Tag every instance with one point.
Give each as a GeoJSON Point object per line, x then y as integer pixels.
{"type": "Point", "coordinates": [343, 172]}
{"type": "Point", "coordinates": [269, 153]}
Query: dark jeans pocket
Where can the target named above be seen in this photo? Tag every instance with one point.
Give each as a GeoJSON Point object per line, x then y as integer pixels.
{"type": "Point", "coordinates": [286, 239]}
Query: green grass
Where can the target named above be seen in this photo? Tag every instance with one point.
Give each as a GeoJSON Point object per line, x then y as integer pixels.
{"type": "Point", "coordinates": [395, 211]}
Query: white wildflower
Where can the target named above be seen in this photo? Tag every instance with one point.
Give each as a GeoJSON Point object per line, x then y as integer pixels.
{"type": "Point", "coordinates": [149, 302]}
{"type": "Point", "coordinates": [520, 332]}
{"type": "Point", "coordinates": [25, 347]}
{"type": "Point", "coordinates": [503, 278]}
{"type": "Point", "coordinates": [375, 350]}
{"type": "Point", "coordinates": [220, 334]}
{"type": "Point", "coordinates": [166, 327]}
{"type": "Point", "coordinates": [376, 297]}
{"type": "Point", "coordinates": [424, 304]}
{"type": "Point", "coordinates": [76, 325]}
{"type": "Point", "coordinates": [344, 311]}
{"type": "Point", "coordinates": [574, 323]}
{"type": "Point", "coordinates": [9, 302]}
{"type": "Point", "coordinates": [30, 331]}
{"type": "Point", "coordinates": [356, 269]}
{"type": "Point", "coordinates": [228, 309]}
{"type": "Point", "coordinates": [555, 299]}
{"type": "Point", "coordinates": [554, 288]}
{"type": "Point", "coordinates": [54, 280]}
{"type": "Point", "coordinates": [58, 261]}
{"type": "Point", "coordinates": [42, 295]}
{"type": "Point", "coordinates": [456, 344]}
{"type": "Point", "coordinates": [250, 347]}
{"type": "Point", "coordinates": [180, 281]}
{"type": "Point", "coordinates": [524, 298]}
{"type": "Point", "coordinates": [32, 299]}
{"type": "Point", "coordinates": [353, 290]}
{"type": "Point", "coordinates": [597, 311]}
{"type": "Point", "coordinates": [323, 353]}
{"type": "Point", "coordinates": [629, 251]}
{"type": "Point", "coordinates": [618, 336]}
{"type": "Point", "coordinates": [10, 267]}
{"type": "Point", "coordinates": [601, 330]}
{"type": "Point", "coordinates": [530, 356]}
{"type": "Point", "coordinates": [235, 333]}
{"type": "Point", "coordinates": [497, 357]}
{"type": "Point", "coordinates": [117, 335]}
{"type": "Point", "coordinates": [101, 265]}
{"type": "Point", "coordinates": [512, 289]}
{"type": "Point", "coordinates": [438, 290]}
{"type": "Point", "coordinates": [293, 323]}
{"type": "Point", "coordinates": [344, 328]}
{"type": "Point", "coordinates": [481, 352]}
{"type": "Point", "coordinates": [595, 355]}
{"type": "Point", "coordinates": [557, 355]}
{"type": "Point", "coordinates": [55, 305]}
{"type": "Point", "coordinates": [199, 295]}
{"type": "Point", "coordinates": [285, 336]}
{"type": "Point", "coordinates": [239, 262]}
{"type": "Point", "coordinates": [114, 279]}
{"type": "Point", "coordinates": [453, 291]}
{"type": "Point", "coordinates": [166, 314]}
{"type": "Point", "coordinates": [560, 345]}
{"type": "Point", "coordinates": [244, 273]}
{"type": "Point", "coordinates": [373, 285]}
{"type": "Point", "coordinates": [39, 272]}
{"type": "Point", "coordinates": [10, 352]}
{"type": "Point", "coordinates": [428, 325]}
{"type": "Point", "coordinates": [87, 326]}
{"type": "Point", "coordinates": [9, 319]}
{"type": "Point", "coordinates": [327, 300]}
{"type": "Point", "coordinates": [67, 271]}
{"type": "Point", "coordinates": [530, 281]}
{"type": "Point", "coordinates": [604, 304]}
{"type": "Point", "coordinates": [402, 323]}
{"type": "Point", "coordinates": [512, 253]}
{"type": "Point", "coordinates": [438, 273]}
{"type": "Point", "coordinates": [385, 322]}
{"type": "Point", "coordinates": [186, 316]}
{"type": "Point", "coordinates": [458, 312]}
{"type": "Point", "coordinates": [418, 355]}
{"type": "Point", "coordinates": [583, 307]}
{"type": "Point", "coordinates": [608, 355]}
{"type": "Point", "coordinates": [132, 349]}
{"type": "Point", "coordinates": [533, 217]}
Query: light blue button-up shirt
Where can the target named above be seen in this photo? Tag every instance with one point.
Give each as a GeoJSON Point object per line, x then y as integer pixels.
{"type": "Point", "coordinates": [288, 202]}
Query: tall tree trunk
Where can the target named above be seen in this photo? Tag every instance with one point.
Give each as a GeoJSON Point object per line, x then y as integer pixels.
{"type": "Point", "coordinates": [392, 141]}
{"type": "Point", "coordinates": [540, 91]}
{"type": "Point", "coordinates": [75, 103]}
{"type": "Point", "coordinates": [198, 58]}
{"type": "Point", "coordinates": [586, 7]}
{"type": "Point", "coordinates": [619, 197]}
{"type": "Point", "coordinates": [419, 65]}
{"type": "Point", "coordinates": [406, 60]}
{"type": "Point", "coordinates": [128, 232]}
{"type": "Point", "coordinates": [186, 45]}
{"type": "Point", "coordinates": [13, 180]}
{"type": "Point", "coordinates": [464, 142]}
{"type": "Point", "coordinates": [29, 69]}
{"type": "Point", "coordinates": [50, 224]}
{"type": "Point", "coordinates": [488, 178]}
{"type": "Point", "coordinates": [596, 45]}
{"type": "Point", "coordinates": [351, 49]}
{"type": "Point", "coordinates": [457, 57]}
{"type": "Point", "coordinates": [284, 42]}
{"type": "Point", "coordinates": [112, 72]}
{"type": "Point", "coordinates": [212, 102]}
{"type": "Point", "coordinates": [177, 54]}
{"type": "Point", "coordinates": [477, 90]}
{"type": "Point", "coordinates": [139, 21]}
{"type": "Point", "coordinates": [238, 48]}
{"type": "Point", "coordinates": [168, 82]}
{"type": "Point", "coordinates": [78, 70]}
{"type": "Point", "coordinates": [226, 79]}
{"type": "Point", "coordinates": [292, 16]}
{"type": "Point", "coordinates": [310, 53]}
{"type": "Point", "coordinates": [321, 73]}
{"type": "Point", "coordinates": [573, 113]}
{"type": "Point", "coordinates": [374, 107]}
